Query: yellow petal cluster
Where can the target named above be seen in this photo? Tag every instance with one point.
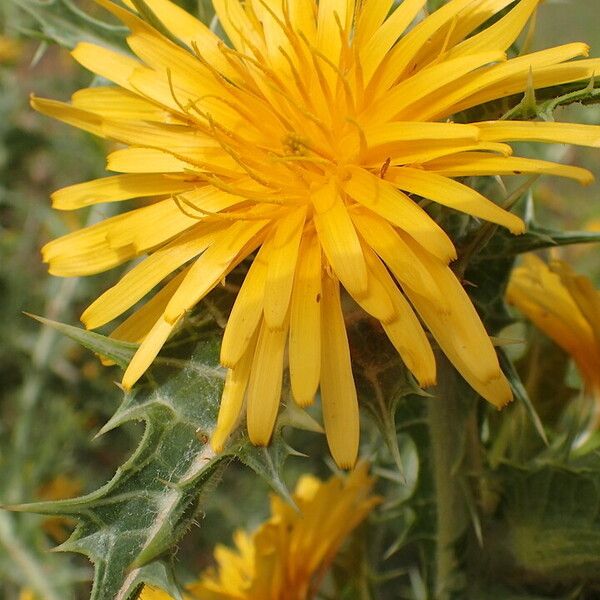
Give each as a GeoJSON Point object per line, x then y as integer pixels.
{"type": "Point", "coordinates": [566, 307]}
{"type": "Point", "coordinates": [304, 142]}
{"type": "Point", "coordinates": [287, 557]}
{"type": "Point", "coordinates": [10, 49]}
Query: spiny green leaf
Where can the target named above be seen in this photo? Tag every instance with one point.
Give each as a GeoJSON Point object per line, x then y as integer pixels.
{"type": "Point", "coordinates": [536, 238]}
{"type": "Point", "coordinates": [553, 97]}
{"type": "Point", "coordinates": [550, 530]}
{"type": "Point", "coordinates": [156, 574]}
{"type": "Point", "coordinates": [547, 100]}
{"type": "Point", "coordinates": [268, 462]}
{"type": "Point", "coordinates": [488, 271]}
{"type": "Point", "coordinates": [152, 499]}
{"type": "Point", "coordinates": [64, 23]}
{"type": "Point", "coordinates": [521, 393]}
{"type": "Point", "coordinates": [118, 351]}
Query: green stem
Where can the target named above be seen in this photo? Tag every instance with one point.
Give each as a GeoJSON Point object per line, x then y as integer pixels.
{"type": "Point", "coordinates": [447, 426]}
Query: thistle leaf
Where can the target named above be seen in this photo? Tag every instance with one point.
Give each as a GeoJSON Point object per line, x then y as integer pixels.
{"type": "Point", "coordinates": [521, 393]}
{"type": "Point", "coordinates": [62, 22]}
{"type": "Point", "coordinates": [116, 350]}
{"type": "Point", "coordinates": [551, 525]}
{"type": "Point", "coordinates": [151, 501]}
{"type": "Point", "coordinates": [268, 463]}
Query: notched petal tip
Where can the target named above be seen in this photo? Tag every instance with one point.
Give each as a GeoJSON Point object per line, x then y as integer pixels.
{"type": "Point", "coordinates": [259, 438]}
{"type": "Point", "coordinates": [427, 382]}
{"type": "Point", "coordinates": [587, 178]}
{"type": "Point", "coordinates": [347, 464]}
{"type": "Point", "coordinates": [304, 401]}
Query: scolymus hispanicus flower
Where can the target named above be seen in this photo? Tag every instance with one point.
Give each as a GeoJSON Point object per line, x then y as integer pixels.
{"type": "Point", "coordinates": [303, 143]}
{"type": "Point", "coordinates": [566, 307]}
{"type": "Point", "coordinates": [287, 557]}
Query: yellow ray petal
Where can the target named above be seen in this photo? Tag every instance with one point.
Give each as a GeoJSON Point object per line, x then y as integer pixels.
{"type": "Point", "coordinates": [136, 327]}
{"type": "Point", "coordinates": [163, 220]}
{"type": "Point", "coordinates": [69, 114]}
{"type": "Point", "coordinates": [540, 131]}
{"type": "Point", "coordinates": [109, 64]}
{"type": "Point", "coordinates": [376, 301]}
{"type": "Point", "coordinates": [460, 26]}
{"type": "Point", "coordinates": [411, 91]}
{"type": "Point", "coordinates": [305, 322]}
{"type": "Point", "coordinates": [115, 189]}
{"type": "Point", "coordinates": [397, 208]}
{"type": "Point", "coordinates": [281, 261]}
{"type": "Point", "coordinates": [475, 163]}
{"type": "Point", "coordinates": [237, 25]}
{"type": "Point", "coordinates": [144, 160]}
{"type": "Point", "coordinates": [379, 134]}
{"type": "Point", "coordinates": [163, 89]}
{"type": "Point", "coordinates": [404, 330]}
{"type": "Point", "coordinates": [264, 387]}
{"type": "Point", "coordinates": [459, 330]}
{"type": "Point", "coordinates": [186, 71]}
{"type": "Point", "coordinates": [147, 352]}
{"type": "Point", "coordinates": [118, 238]}
{"type": "Point", "coordinates": [136, 283]}
{"type": "Point", "coordinates": [455, 195]}
{"type": "Point", "coordinates": [496, 391]}
{"type": "Point", "coordinates": [328, 33]}
{"type": "Point", "coordinates": [470, 18]}
{"type": "Point", "coordinates": [402, 58]}
{"type": "Point", "coordinates": [542, 77]}
{"type": "Point", "coordinates": [378, 39]}
{"type": "Point", "coordinates": [498, 81]}
{"type": "Point", "coordinates": [339, 240]}
{"type": "Point", "coordinates": [90, 239]}
{"type": "Point", "coordinates": [303, 14]}
{"type": "Point", "coordinates": [271, 17]}
{"type": "Point", "coordinates": [115, 103]}
{"type": "Point", "coordinates": [417, 152]}
{"type": "Point", "coordinates": [370, 14]}
{"type": "Point", "coordinates": [563, 309]}
{"type": "Point", "coordinates": [88, 260]}
{"type": "Point", "coordinates": [583, 293]}
{"type": "Point", "coordinates": [232, 246]}
{"type": "Point", "coordinates": [191, 31]}
{"type": "Point", "coordinates": [176, 139]}
{"type": "Point", "coordinates": [144, 228]}
{"type": "Point", "coordinates": [397, 255]}
{"type": "Point", "coordinates": [407, 335]}
{"type": "Point", "coordinates": [246, 312]}
{"type": "Point", "coordinates": [338, 394]}
{"type": "Point", "coordinates": [232, 400]}
{"type": "Point", "coordinates": [501, 34]}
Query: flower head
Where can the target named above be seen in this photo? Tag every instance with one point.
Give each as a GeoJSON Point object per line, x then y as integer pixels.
{"type": "Point", "coordinates": [305, 143]}
{"type": "Point", "coordinates": [288, 555]}
{"type": "Point", "coordinates": [566, 307]}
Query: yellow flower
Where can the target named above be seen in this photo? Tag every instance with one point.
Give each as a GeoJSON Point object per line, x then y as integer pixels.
{"type": "Point", "coordinates": [59, 488]}
{"type": "Point", "coordinates": [10, 49]}
{"type": "Point", "coordinates": [288, 556]}
{"type": "Point", "coordinates": [566, 307]}
{"type": "Point", "coordinates": [306, 141]}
